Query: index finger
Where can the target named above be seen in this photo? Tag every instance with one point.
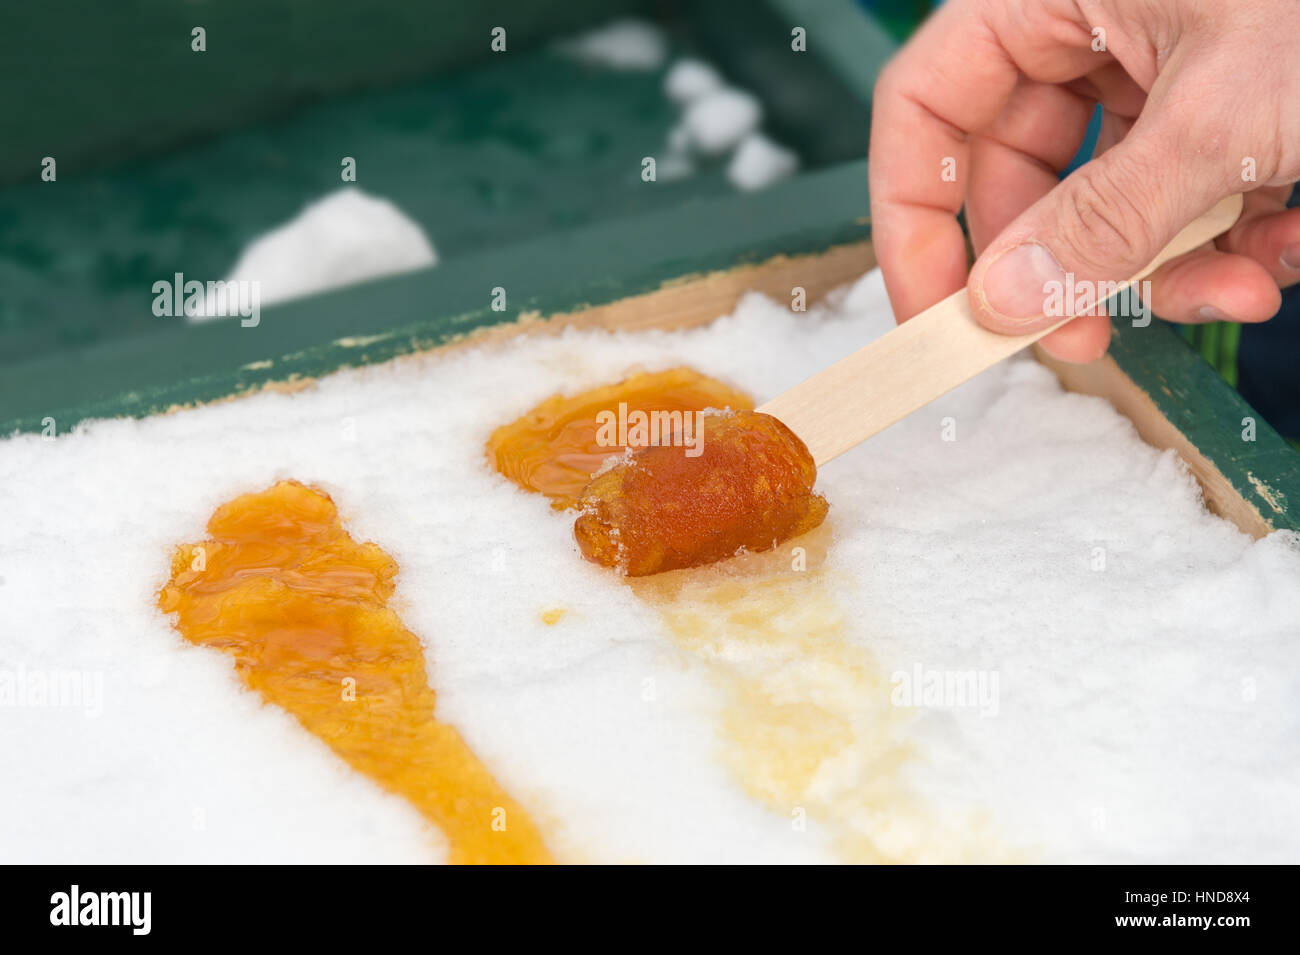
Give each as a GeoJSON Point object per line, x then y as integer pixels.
{"type": "Point", "coordinates": [952, 79]}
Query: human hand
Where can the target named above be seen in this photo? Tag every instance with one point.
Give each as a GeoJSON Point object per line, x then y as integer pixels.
{"type": "Point", "coordinates": [1201, 99]}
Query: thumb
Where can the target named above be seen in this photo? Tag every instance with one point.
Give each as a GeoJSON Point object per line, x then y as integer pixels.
{"type": "Point", "coordinates": [1102, 224]}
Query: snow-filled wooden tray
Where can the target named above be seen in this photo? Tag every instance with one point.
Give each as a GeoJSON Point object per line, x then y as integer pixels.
{"type": "Point", "coordinates": [1092, 569]}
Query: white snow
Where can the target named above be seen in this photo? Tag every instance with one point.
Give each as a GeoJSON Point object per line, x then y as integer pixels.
{"type": "Point", "coordinates": [1147, 654]}
{"type": "Point", "coordinates": [629, 44]}
{"type": "Point", "coordinates": [716, 118]}
{"type": "Point", "coordinates": [689, 79]}
{"type": "Point", "coordinates": [718, 121]}
{"type": "Point", "coordinates": [346, 237]}
{"type": "Point", "coordinates": [758, 162]}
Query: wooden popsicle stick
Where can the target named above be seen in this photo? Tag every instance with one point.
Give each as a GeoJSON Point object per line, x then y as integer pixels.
{"type": "Point", "coordinates": [925, 357]}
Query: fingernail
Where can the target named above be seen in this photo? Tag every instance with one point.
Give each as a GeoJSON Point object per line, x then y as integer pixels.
{"type": "Point", "coordinates": [1208, 313]}
{"type": "Point", "coordinates": [1290, 258]}
{"type": "Point", "coordinates": [1015, 285]}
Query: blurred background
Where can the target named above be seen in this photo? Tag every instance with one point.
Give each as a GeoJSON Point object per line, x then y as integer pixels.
{"type": "Point", "coordinates": [173, 152]}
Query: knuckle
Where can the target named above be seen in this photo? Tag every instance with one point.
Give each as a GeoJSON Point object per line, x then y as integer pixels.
{"type": "Point", "coordinates": [1108, 224]}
